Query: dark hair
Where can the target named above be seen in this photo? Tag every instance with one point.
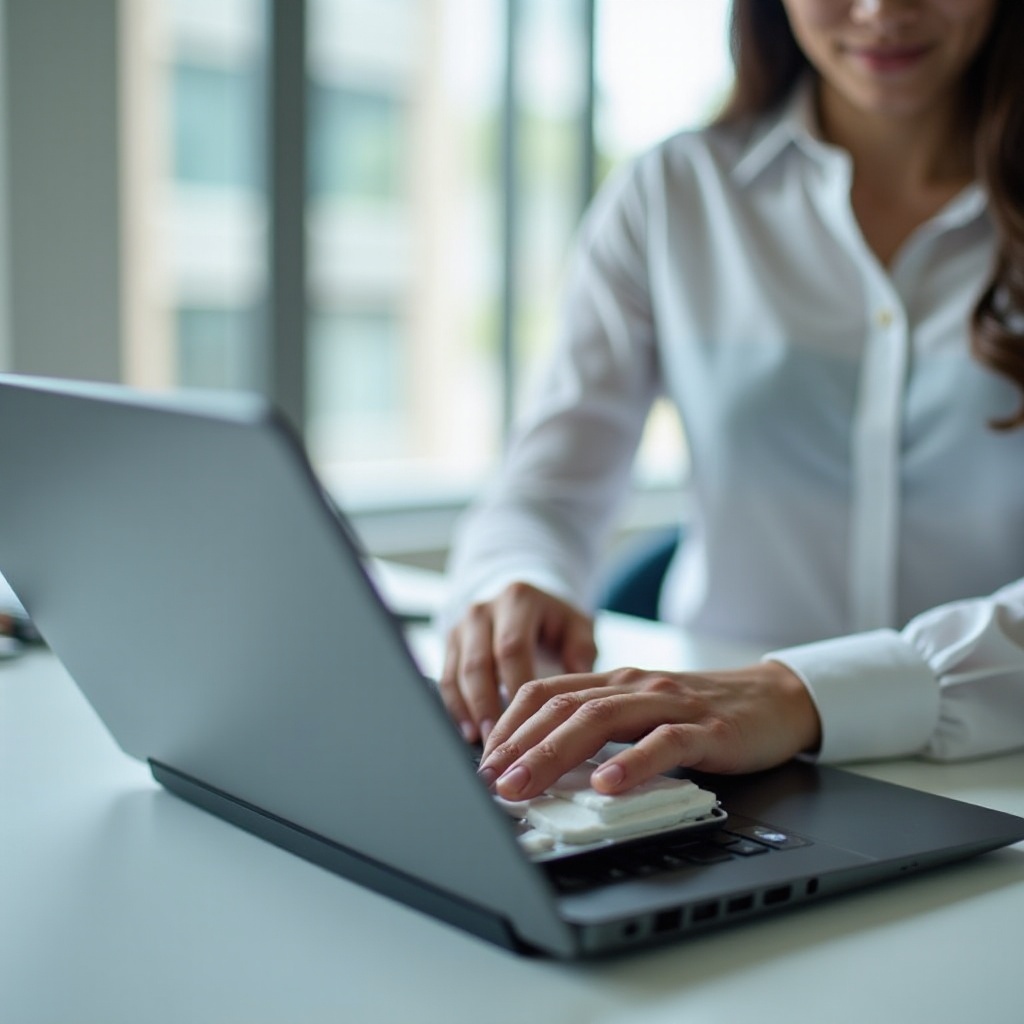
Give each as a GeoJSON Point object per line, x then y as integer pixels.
{"type": "Point", "coordinates": [768, 62]}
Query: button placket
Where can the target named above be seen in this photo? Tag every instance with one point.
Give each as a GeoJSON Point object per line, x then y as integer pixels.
{"type": "Point", "coordinates": [876, 442]}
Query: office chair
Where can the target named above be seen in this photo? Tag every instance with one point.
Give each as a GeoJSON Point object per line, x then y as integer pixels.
{"type": "Point", "coordinates": [632, 583]}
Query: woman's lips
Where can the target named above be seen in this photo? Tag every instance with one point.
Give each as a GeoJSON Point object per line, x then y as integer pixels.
{"type": "Point", "coordinates": [888, 59]}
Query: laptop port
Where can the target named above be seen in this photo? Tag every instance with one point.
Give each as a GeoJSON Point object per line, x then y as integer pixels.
{"type": "Point", "coordinates": [738, 904]}
{"type": "Point", "coordinates": [705, 912]}
{"type": "Point", "coordinates": [668, 920]}
{"type": "Point", "coordinates": [779, 895]}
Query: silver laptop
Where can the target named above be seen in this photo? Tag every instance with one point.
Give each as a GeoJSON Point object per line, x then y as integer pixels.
{"type": "Point", "coordinates": [182, 560]}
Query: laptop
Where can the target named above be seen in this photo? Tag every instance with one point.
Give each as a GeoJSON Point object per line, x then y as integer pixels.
{"type": "Point", "coordinates": [181, 558]}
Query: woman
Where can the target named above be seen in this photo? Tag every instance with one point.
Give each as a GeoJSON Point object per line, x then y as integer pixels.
{"type": "Point", "coordinates": [829, 284]}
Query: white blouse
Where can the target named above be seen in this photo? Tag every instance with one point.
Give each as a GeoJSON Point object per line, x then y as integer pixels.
{"type": "Point", "coordinates": [850, 502]}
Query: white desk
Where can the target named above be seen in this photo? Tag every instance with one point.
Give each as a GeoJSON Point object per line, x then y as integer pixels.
{"type": "Point", "coordinates": [120, 903]}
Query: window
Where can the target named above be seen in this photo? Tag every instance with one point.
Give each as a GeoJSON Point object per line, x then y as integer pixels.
{"type": "Point", "coordinates": [360, 390]}
{"type": "Point", "coordinates": [661, 66]}
{"type": "Point", "coordinates": [213, 241]}
{"type": "Point", "coordinates": [444, 188]}
{"type": "Point", "coordinates": [404, 289]}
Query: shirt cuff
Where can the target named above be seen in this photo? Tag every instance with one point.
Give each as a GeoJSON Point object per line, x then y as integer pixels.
{"type": "Point", "coordinates": [875, 695]}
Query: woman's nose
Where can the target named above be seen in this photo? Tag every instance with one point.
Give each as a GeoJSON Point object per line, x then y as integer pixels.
{"type": "Point", "coordinates": [870, 10]}
{"type": "Point", "coordinates": [865, 8]}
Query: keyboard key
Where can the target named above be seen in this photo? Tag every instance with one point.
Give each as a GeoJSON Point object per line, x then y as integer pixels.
{"type": "Point", "coordinates": [670, 861]}
{"type": "Point", "coordinates": [707, 853]}
{"type": "Point", "coordinates": [646, 868]}
{"type": "Point", "coordinates": [745, 847]}
{"type": "Point", "coordinates": [770, 836]}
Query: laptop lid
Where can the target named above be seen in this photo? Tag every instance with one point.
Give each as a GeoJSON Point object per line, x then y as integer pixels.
{"type": "Point", "coordinates": [182, 560]}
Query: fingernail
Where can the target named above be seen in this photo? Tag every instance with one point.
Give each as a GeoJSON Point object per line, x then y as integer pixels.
{"type": "Point", "coordinates": [611, 775]}
{"type": "Point", "coordinates": [514, 781]}
{"type": "Point", "coordinates": [487, 776]}
{"type": "Point", "coordinates": [468, 730]}
{"type": "Point", "coordinates": [485, 729]}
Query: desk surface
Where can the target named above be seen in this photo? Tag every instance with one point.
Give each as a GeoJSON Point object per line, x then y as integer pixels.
{"type": "Point", "coordinates": [120, 903]}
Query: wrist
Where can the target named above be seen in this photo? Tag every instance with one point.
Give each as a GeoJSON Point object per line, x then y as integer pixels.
{"type": "Point", "coordinates": [797, 705]}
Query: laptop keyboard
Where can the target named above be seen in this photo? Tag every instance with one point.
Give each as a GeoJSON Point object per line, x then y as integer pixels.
{"type": "Point", "coordinates": [741, 838]}
{"type": "Point", "coordinates": [738, 838]}
{"type": "Point", "coordinates": [700, 845]}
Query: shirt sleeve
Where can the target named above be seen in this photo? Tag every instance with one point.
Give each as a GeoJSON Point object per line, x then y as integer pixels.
{"type": "Point", "coordinates": [544, 518]}
{"type": "Point", "coordinates": [949, 686]}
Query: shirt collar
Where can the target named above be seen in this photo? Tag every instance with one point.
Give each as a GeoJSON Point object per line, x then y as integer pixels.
{"type": "Point", "coordinates": [964, 207]}
{"type": "Point", "coordinates": [795, 124]}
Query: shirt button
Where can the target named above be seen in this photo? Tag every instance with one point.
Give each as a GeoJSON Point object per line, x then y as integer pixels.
{"type": "Point", "coordinates": [884, 318]}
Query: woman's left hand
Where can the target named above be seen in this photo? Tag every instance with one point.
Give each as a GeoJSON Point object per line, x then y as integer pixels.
{"type": "Point", "coordinates": [732, 721]}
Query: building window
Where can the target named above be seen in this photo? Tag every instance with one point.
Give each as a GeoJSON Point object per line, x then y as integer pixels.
{"type": "Point", "coordinates": [359, 144]}
{"type": "Point", "coordinates": [217, 349]}
{"type": "Point", "coordinates": [216, 122]}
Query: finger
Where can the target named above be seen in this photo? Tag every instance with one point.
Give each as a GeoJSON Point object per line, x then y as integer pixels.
{"type": "Point", "coordinates": [516, 636]}
{"type": "Point", "coordinates": [528, 700]}
{"type": "Point", "coordinates": [579, 652]}
{"type": "Point", "coordinates": [671, 745]}
{"type": "Point", "coordinates": [537, 695]}
{"type": "Point", "coordinates": [568, 730]}
{"type": "Point", "coordinates": [449, 689]}
{"type": "Point", "coordinates": [476, 676]}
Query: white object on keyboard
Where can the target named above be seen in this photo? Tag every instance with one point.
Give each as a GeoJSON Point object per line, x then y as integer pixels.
{"type": "Point", "coordinates": [573, 812]}
{"type": "Point", "coordinates": [659, 792]}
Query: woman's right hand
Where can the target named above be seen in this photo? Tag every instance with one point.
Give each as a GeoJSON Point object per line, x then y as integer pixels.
{"type": "Point", "coordinates": [501, 644]}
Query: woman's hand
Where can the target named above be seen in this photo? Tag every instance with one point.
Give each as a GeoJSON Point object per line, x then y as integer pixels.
{"type": "Point", "coordinates": [499, 645]}
{"type": "Point", "coordinates": [741, 720]}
